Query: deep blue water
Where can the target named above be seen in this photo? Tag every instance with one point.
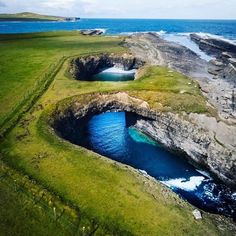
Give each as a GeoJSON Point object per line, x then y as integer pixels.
{"type": "Point", "coordinates": [226, 28]}
{"type": "Point", "coordinates": [112, 135]}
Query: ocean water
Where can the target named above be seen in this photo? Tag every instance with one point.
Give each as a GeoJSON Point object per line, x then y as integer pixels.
{"type": "Point", "coordinates": [225, 28]}
{"type": "Point", "coordinates": [173, 30]}
{"type": "Point", "coordinates": [112, 135]}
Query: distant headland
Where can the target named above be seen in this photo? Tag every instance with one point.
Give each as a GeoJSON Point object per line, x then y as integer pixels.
{"type": "Point", "coordinates": [29, 16]}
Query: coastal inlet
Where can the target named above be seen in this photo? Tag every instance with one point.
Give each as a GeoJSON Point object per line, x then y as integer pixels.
{"type": "Point", "coordinates": [111, 129]}
{"type": "Point", "coordinates": [105, 68]}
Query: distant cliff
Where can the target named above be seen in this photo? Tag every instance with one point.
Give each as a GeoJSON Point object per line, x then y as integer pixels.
{"type": "Point", "coordinates": [29, 16]}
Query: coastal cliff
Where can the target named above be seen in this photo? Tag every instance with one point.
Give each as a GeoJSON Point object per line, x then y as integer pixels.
{"type": "Point", "coordinates": [84, 67]}
{"type": "Point", "coordinates": [202, 143]}
{"type": "Point", "coordinates": [207, 141]}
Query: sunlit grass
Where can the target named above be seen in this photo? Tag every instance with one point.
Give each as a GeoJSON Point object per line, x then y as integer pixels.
{"type": "Point", "coordinates": [25, 58]}
{"type": "Point", "coordinates": [119, 199]}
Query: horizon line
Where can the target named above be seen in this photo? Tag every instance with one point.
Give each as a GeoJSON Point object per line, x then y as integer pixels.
{"type": "Point", "coordinates": [125, 18]}
{"type": "Point", "coordinates": [134, 18]}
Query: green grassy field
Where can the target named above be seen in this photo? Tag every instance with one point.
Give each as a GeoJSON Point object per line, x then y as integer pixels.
{"type": "Point", "coordinates": [116, 199]}
{"type": "Point", "coordinates": [28, 16]}
{"type": "Point", "coordinates": [25, 208]}
{"type": "Point", "coordinates": [27, 60]}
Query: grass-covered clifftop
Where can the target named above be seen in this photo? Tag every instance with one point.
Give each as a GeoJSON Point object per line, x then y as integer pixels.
{"type": "Point", "coordinates": [108, 198]}
{"type": "Point", "coordinates": [29, 16]}
{"type": "Point", "coordinates": [27, 62]}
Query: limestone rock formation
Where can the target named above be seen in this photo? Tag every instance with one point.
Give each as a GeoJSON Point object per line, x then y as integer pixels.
{"type": "Point", "coordinates": [214, 46]}
{"type": "Point", "coordinates": [202, 139]}
{"type": "Point", "coordinates": [82, 68]}
{"type": "Point", "coordinates": [91, 32]}
{"type": "Point", "coordinates": [224, 52]}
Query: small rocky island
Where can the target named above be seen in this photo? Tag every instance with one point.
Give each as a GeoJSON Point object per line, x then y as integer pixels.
{"type": "Point", "coordinates": [91, 32]}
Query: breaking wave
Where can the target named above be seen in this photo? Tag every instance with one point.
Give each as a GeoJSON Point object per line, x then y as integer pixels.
{"type": "Point", "coordinates": [184, 184]}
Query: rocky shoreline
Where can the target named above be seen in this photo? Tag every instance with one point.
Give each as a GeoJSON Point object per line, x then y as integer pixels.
{"type": "Point", "coordinates": [216, 78]}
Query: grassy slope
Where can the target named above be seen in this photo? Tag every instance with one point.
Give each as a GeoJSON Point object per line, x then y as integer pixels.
{"type": "Point", "coordinates": [25, 210]}
{"type": "Point", "coordinates": [36, 220]}
{"type": "Point", "coordinates": [114, 196]}
{"type": "Point", "coordinates": [25, 59]}
{"type": "Point", "coordinates": [26, 16]}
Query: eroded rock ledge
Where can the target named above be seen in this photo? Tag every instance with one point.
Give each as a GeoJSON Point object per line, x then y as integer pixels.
{"type": "Point", "coordinates": [216, 78]}
{"type": "Point", "coordinates": [203, 144]}
{"type": "Point", "coordinates": [84, 67]}
{"type": "Point", "coordinates": [224, 53]}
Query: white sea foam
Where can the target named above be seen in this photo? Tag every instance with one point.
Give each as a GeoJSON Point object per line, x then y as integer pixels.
{"type": "Point", "coordinates": [117, 70]}
{"type": "Point", "coordinates": [187, 185]}
{"type": "Point", "coordinates": [103, 30]}
{"type": "Point", "coordinates": [160, 33]}
{"type": "Point", "coordinates": [234, 196]}
{"type": "Point", "coordinates": [143, 172]}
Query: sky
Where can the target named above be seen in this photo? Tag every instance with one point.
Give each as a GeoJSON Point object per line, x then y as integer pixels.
{"type": "Point", "coordinates": [160, 9]}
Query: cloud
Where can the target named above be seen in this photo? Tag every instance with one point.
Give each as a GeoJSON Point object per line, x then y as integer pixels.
{"type": "Point", "coordinates": [52, 7]}
{"type": "Point", "coordinates": [2, 4]}
{"type": "Point", "coordinates": [67, 4]}
{"type": "Point", "coordinates": [100, 8]}
{"type": "Point", "coordinates": [126, 8]}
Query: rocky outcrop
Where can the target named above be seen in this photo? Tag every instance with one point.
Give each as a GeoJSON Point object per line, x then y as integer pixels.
{"type": "Point", "coordinates": [204, 141]}
{"type": "Point", "coordinates": [216, 78]}
{"type": "Point", "coordinates": [225, 53]}
{"type": "Point", "coordinates": [157, 51]}
{"type": "Point", "coordinates": [214, 46]}
{"type": "Point", "coordinates": [197, 141]}
{"type": "Point", "coordinates": [91, 32]}
{"type": "Point", "coordinates": [83, 68]}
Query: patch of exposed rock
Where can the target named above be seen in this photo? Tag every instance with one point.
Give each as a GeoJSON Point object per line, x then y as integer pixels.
{"type": "Point", "coordinates": [91, 32]}
{"type": "Point", "coordinates": [211, 76]}
{"type": "Point", "coordinates": [224, 52]}
{"type": "Point", "coordinates": [202, 139]}
{"type": "Point", "coordinates": [84, 67]}
{"type": "Point", "coordinates": [214, 46]}
{"type": "Point", "coordinates": [157, 51]}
